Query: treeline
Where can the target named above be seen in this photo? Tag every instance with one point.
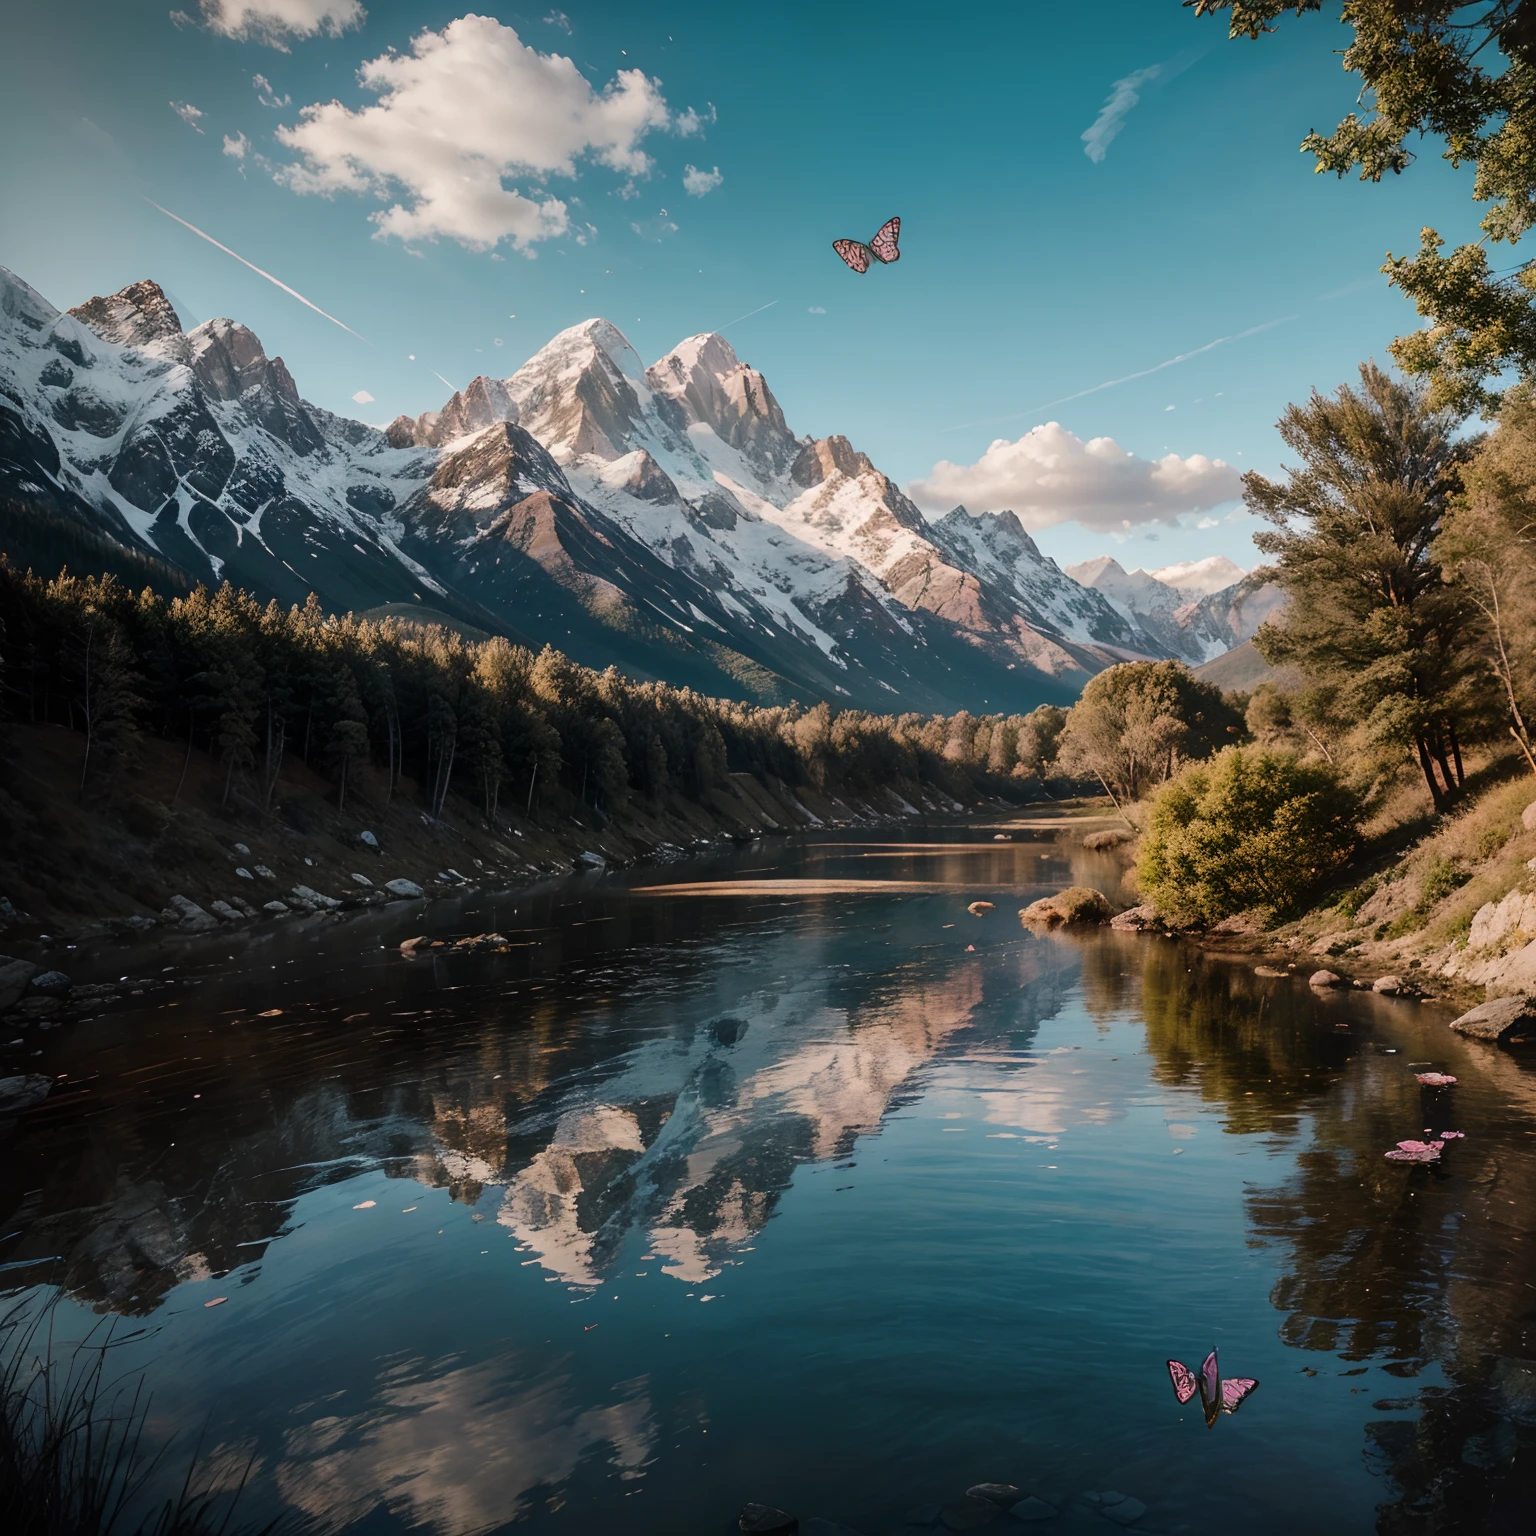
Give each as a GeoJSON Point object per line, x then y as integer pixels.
{"type": "Point", "coordinates": [434, 714]}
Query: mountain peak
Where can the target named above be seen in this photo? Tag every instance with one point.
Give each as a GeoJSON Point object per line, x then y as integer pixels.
{"type": "Point", "coordinates": [136, 316]}
{"type": "Point", "coordinates": [821, 457]}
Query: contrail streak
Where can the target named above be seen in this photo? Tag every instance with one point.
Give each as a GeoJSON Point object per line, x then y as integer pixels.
{"type": "Point", "coordinates": [1183, 357]}
{"type": "Point", "coordinates": [293, 292]}
{"type": "Point", "coordinates": [739, 318]}
{"type": "Point", "coordinates": [436, 375]}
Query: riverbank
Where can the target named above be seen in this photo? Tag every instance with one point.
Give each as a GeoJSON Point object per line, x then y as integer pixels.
{"type": "Point", "coordinates": [99, 894]}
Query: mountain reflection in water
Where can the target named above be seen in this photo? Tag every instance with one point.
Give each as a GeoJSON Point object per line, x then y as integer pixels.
{"type": "Point", "coordinates": [746, 1180]}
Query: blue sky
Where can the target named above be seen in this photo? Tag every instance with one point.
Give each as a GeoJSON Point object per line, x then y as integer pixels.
{"type": "Point", "coordinates": [1032, 271]}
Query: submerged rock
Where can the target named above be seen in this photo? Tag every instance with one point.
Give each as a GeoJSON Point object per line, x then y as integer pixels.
{"type": "Point", "coordinates": [765, 1520]}
{"type": "Point", "coordinates": [981, 908]}
{"type": "Point", "coordinates": [1032, 1509]}
{"type": "Point", "coordinates": [1076, 904]}
{"type": "Point", "coordinates": [1504, 1018]}
{"type": "Point", "coordinates": [1001, 1494]}
{"type": "Point", "coordinates": [1324, 979]}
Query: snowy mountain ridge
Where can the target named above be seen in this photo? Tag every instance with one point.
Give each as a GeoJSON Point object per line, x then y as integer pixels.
{"type": "Point", "coordinates": [664, 519]}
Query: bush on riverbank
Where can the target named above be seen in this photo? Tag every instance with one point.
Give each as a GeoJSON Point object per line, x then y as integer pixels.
{"type": "Point", "coordinates": [1251, 829]}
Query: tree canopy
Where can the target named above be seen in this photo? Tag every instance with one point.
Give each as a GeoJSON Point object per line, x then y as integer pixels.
{"type": "Point", "coordinates": [1465, 73]}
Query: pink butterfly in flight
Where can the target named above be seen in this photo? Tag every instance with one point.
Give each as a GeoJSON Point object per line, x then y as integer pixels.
{"type": "Point", "coordinates": [1216, 1396]}
{"type": "Point", "coordinates": [882, 248]}
{"type": "Point", "coordinates": [1435, 1079]}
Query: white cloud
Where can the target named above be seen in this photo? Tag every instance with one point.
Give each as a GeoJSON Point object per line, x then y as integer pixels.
{"type": "Point", "coordinates": [363, 397]}
{"type": "Point", "coordinates": [278, 22]}
{"type": "Point", "coordinates": [187, 113]}
{"type": "Point", "coordinates": [466, 109]}
{"type": "Point", "coordinates": [558, 19]}
{"type": "Point", "coordinates": [235, 145]}
{"type": "Point", "coordinates": [815, 309]}
{"type": "Point", "coordinates": [688, 122]}
{"type": "Point", "coordinates": [1050, 476]}
{"type": "Point", "coordinates": [266, 95]}
{"type": "Point", "coordinates": [1112, 114]}
{"type": "Point", "coordinates": [697, 183]}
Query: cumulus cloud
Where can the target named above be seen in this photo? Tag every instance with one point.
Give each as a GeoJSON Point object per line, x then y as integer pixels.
{"type": "Point", "coordinates": [266, 95]}
{"type": "Point", "coordinates": [279, 22]}
{"type": "Point", "coordinates": [466, 110]}
{"type": "Point", "coordinates": [236, 145]}
{"type": "Point", "coordinates": [687, 123]}
{"type": "Point", "coordinates": [188, 114]}
{"type": "Point", "coordinates": [816, 309]}
{"type": "Point", "coordinates": [697, 183]}
{"type": "Point", "coordinates": [363, 397]}
{"type": "Point", "coordinates": [1050, 476]}
{"type": "Point", "coordinates": [1117, 106]}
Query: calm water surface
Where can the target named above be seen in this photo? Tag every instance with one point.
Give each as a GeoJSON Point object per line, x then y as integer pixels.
{"type": "Point", "coordinates": [750, 1191]}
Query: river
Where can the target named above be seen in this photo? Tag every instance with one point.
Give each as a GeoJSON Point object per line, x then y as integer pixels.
{"type": "Point", "coordinates": [776, 1175]}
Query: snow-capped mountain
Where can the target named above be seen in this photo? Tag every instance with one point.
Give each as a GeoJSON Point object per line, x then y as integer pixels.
{"type": "Point", "coordinates": [1195, 611]}
{"type": "Point", "coordinates": [664, 519]}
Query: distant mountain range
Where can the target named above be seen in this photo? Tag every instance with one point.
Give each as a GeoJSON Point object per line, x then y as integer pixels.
{"type": "Point", "coordinates": [665, 519]}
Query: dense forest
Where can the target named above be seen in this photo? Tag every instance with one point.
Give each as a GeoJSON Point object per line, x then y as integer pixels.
{"type": "Point", "coordinates": [433, 713]}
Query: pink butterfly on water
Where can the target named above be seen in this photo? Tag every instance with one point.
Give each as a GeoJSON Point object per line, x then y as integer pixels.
{"type": "Point", "coordinates": [1216, 1396]}
{"type": "Point", "coordinates": [1416, 1152]}
{"type": "Point", "coordinates": [1435, 1079]}
{"type": "Point", "coordinates": [881, 248]}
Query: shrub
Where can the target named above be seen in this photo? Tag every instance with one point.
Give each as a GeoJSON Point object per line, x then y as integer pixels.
{"type": "Point", "coordinates": [1251, 829]}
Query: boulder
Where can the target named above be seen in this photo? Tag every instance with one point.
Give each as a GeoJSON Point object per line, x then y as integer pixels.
{"type": "Point", "coordinates": [38, 1007]}
{"type": "Point", "coordinates": [15, 975]}
{"type": "Point", "coordinates": [229, 914]}
{"type": "Point", "coordinates": [765, 1520]}
{"type": "Point", "coordinates": [315, 899]}
{"type": "Point", "coordinates": [19, 1093]}
{"type": "Point", "coordinates": [188, 916]}
{"type": "Point", "coordinates": [410, 946]}
{"type": "Point", "coordinates": [1269, 971]}
{"type": "Point", "coordinates": [1110, 838]}
{"type": "Point", "coordinates": [362, 880]}
{"type": "Point", "coordinates": [593, 860]}
{"type": "Point", "coordinates": [265, 873]}
{"type": "Point", "coordinates": [50, 984]}
{"type": "Point", "coordinates": [1322, 980]}
{"type": "Point", "coordinates": [1032, 1509]}
{"type": "Point", "coordinates": [1388, 986]}
{"type": "Point", "coordinates": [1142, 919]}
{"type": "Point", "coordinates": [368, 840]}
{"type": "Point", "coordinates": [981, 908]}
{"type": "Point", "coordinates": [276, 908]}
{"type": "Point", "coordinates": [405, 889]}
{"type": "Point", "coordinates": [1076, 904]}
{"type": "Point", "coordinates": [241, 848]}
{"type": "Point", "coordinates": [1528, 817]}
{"type": "Point", "coordinates": [1504, 1018]}
{"type": "Point", "coordinates": [242, 905]}
{"type": "Point", "coordinates": [244, 873]}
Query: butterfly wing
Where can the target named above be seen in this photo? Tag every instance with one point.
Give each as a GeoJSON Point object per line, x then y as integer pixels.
{"type": "Point", "coordinates": [884, 244]}
{"type": "Point", "coordinates": [855, 253]}
{"type": "Point", "coordinates": [1235, 1390]}
{"type": "Point", "coordinates": [1185, 1384]}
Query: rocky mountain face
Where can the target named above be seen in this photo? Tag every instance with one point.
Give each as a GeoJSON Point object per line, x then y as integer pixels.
{"type": "Point", "coordinates": [663, 519]}
{"type": "Point", "coordinates": [1194, 612]}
